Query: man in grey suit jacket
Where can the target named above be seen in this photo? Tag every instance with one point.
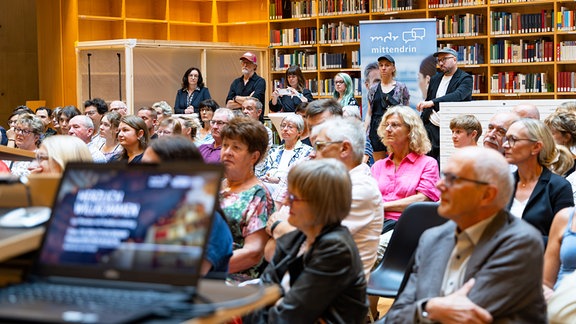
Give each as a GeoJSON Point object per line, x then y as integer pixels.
{"type": "Point", "coordinates": [484, 265]}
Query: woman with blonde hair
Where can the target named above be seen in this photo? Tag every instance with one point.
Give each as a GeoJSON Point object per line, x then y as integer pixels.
{"type": "Point", "coordinates": [407, 174]}
{"type": "Point", "coordinates": [169, 127]}
{"type": "Point", "coordinates": [539, 194]}
{"type": "Point", "coordinates": [56, 151]}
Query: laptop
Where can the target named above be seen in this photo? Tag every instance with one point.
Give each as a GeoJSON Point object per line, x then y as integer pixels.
{"type": "Point", "coordinates": [120, 231]}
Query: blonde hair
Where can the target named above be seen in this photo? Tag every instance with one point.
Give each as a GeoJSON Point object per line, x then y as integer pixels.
{"type": "Point", "coordinates": [418, 138]}
{"type": "Point", "coordinates": [564, 160]}
{"type": "Point", "coordinates": [538, 131]}
{"type": "Point", "coordinates": [65, 148]}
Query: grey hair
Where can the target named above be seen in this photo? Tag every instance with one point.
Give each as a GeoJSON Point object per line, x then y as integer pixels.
{"type": "Point", "coordinates": [296, 120]}
{"type": "Point", "coordinates": [166, 109]}
{"type": "Point", "coordinates": [226, 112]}
{"type": "Point", "coordinates": [343, 129]}
{"type": "Point", "coordinates": [85, 120]}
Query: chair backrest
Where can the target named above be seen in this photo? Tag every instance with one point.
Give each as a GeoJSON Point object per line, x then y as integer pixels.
{"type": "Point", "coordinates": [386, 280]}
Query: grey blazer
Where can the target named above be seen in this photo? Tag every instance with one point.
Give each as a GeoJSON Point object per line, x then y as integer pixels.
{"type": "Point", "coordinates": [507, 264]}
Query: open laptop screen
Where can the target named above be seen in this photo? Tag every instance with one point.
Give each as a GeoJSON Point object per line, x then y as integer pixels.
{"type": "Point", "coordinates": [146, 223]}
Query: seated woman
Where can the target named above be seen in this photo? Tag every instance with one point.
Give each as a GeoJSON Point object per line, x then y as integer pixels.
{"type": "Point", "coordinates": [407, 175]}
{"type": "Point", "coordinates": [562, 124]}
{"type": "Point", "coordinates": [560, 256]}
{"type": "Point", "coordinates": [539, 194]}
{"type": "Point", "coordinates": [134, 138]}
{"type": "Point", "coordinates": [190, 126]}
{"type": "Point", "coordinates": [318, 265]}
{"type": "Point", "coordinates": [169, 127]}
{"type": "Point", "coordinates": [206, 111]}
{"type": "Point", "coordinates": [28, 130]}
{"type": "Point", "coordinates": [219, 247]}
{"type": "Point", "coordinates": [111, 149]}
{"type": "Point", "coordinates": [295, 93]}
{"type": "Point", "coordinates": [279, 160]}
{"type": "Point", "coordinates": [56, 151]}
{"type": "Point", "coordinates": [244, 199]}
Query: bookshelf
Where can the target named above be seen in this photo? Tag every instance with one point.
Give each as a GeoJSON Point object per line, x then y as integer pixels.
{"type": "Point", "coordinates": [512, 48]}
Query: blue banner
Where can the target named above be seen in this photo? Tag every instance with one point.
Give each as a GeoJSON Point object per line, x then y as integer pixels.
{"type": "Point", "coordinates": [411, 42]}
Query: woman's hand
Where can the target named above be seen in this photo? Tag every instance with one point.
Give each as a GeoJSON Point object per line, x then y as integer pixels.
{"type": "Point", "coordinates": [270, 178]}
{"type": "Point", "coordinates": [189, 110]}
{"type": "Point", "coordinates": [548, 292]}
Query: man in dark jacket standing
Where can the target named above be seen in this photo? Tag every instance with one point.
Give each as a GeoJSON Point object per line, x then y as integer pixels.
{"type": "Point", "coordinates": [449, 85]}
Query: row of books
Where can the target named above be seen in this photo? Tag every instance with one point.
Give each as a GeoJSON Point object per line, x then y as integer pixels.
{"type": "Point", "coordinates": [508, 1]}
{"type": "Point", "coordinates": [566, 82]}
{"type": "Point", "coordinates": [342, 7]}
{"type": "Point", "coordinates": [307, 60]}
{"type": "Point", "coordinates": [515, 82]}
{"type": "Point", "coordinates": [565, 19]}
{"type": "Point", "coordinates": [478, 83]}
{"type": "Point", "coordinates": [339, 60]}
{"type": "Point", "coordinates": [468, 54]}
{"type": "Point", "coordinates": [460, 25]}
{"type": "Point", "coordinates": [432, 4]}
{"type": "Point", "coordinates": [504, 23]}
{"type": "Point", "coordinates": [522, 51]}
{"type": "Point", "coordinates": [286, 9]}
{"type": "Point", "coordinates": [393, 5]}
{"type": "Point", "coordinates": [293, 36]}
{"type": "Point", "coordinates": [566, 51]}
{"type": "Point", "coordinates": [340, 32]}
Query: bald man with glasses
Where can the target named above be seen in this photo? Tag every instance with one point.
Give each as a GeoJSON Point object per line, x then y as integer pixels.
{"type": "Point", "coordinates": [449, 85]}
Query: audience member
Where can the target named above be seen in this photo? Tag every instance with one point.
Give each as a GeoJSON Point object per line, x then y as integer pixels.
{"type": "Point", "coordinates": [484, 264]}
{"type": "Point", "coordinates": [211, 151]}
{"type": "Point", "coordinates": [280, 159]}
{"type": "Point", "coordinates": [133, 136]}
{"type": "Point", "coordinates": [526, 110]}
{"type": "Point", "coordinates": [353, 112]}
{"type": "Point", "coordinates": [344, 90]}
{"type": "Point", "coordinates": [560, 255]}
{"type": "Point", "coordinates": [244, 199]}
{"type": "Point", "coordinates": [538, 193]}
{"type": "Point", "coordinates": [250, 84]}
{"type": "Point", "coordinates": [150, 118]}
{"type": "Point", "coordinates": [190, 126]}
{"type": "Point", "coordinates": [387, 93]}
{"type": "Point", "coordinates": [44, 114]}
{"type": "Point", "coordinates": [56, 151]}
{"type": "Point", "coordinates": [169, 127]}
{"type": "Point", "coordinates": [219, 246]}
{"type": "Point", "coordinates": [191, 93]}
{"type": "Point", "coordinates": [111, 148]}
{"type": "Point", "coordinates": [119, 107]}
{"type": "Point", "coordinates": [301, 111]}
{"type": "Point", "coordinates": [28, 130]}
{"type": "Point", "coordinates": [466, 130]}
{"type": "Point", "coordinates": [55, 119]}
{"type": "Point", "coordinates": [81, 126]}
{"type": "Point", "coordinates": [10, 134]}
{"type": "Point", "coordinates": [563, 127]}
{"type": "Point", "coordinates": [318, 265]}
{"type": "Point", "coordinates": [95, 109]}
{"type": "Point", "coordinates": [497, 128]}
{"type": "Point", "coordinates": [252, 108]}
{"type": "Point", "coordinates": [451, 84]}
{"type": "Point", "coordinates": [206, 111]}
{"type": "Point", "coordinates": [295, 93]}
{"type": "Point", "coordinates": [407, 175]}
{"type": "Point", "coordinates": [163, 110]}
{"type": "Point", "coordinates": [67, 113]}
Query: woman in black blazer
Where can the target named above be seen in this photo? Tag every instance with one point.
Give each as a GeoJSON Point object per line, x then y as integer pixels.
{"type": "Point", "coordinates": [192, 92]}
{"type": "Point", "coordinates": [539, 194]}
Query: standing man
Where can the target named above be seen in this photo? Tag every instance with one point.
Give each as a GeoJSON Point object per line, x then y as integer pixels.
{"type": "Point", "coordinates": [82, 127]}
{"type": "Point", "coordinates": [150, 118]}
{"type": "Point", "coordinates": [449, 85]}
{"type": "Point", "coordinates": [484, 264]}
{"type": "Point", "coordinates": [249, 84]}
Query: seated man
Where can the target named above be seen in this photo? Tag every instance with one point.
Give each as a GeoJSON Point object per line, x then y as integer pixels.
{"type": "Point", "coordinates": [484, 264]}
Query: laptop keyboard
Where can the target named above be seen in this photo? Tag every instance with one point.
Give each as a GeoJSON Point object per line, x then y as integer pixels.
{"type": "Point", "coordinates": [85, 296]}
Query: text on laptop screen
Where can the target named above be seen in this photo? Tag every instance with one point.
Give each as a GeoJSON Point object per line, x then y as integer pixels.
{"type": "Point", "coordinates": [142, 219]}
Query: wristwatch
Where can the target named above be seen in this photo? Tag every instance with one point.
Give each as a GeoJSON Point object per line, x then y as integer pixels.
{"type": "Point", "coordinates": [424, 313]}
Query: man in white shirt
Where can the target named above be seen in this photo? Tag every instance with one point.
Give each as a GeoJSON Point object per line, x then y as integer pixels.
{"type": "Point", "coordinates": [82, 127]}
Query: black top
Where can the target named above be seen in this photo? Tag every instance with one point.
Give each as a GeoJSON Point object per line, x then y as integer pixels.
{"type": "Point", "coordinates": [255, 84]}
{"type": "Point", "coordinates": [182, 102]}
{"type": "Point", "coordinates": [289, 103]}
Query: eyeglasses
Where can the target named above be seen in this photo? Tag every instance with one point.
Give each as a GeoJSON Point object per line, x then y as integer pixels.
{"type": "Point", "coordinates": [22, 131]}
{"type": "Point", "coordinates": [289, 126]}
{"type": "Point", "coordinates": [90, 113]}
{"type": "Point", "coordinates": [320, 146]}
{"type": "Point", "coordinates": [444, 59]}
{"type": "Point", "coordinates": [450, 178]}
{"type": "Point", "coordinates": [339, 82]}
{"type": "Point", "coordinates": [291, 199]}
{"type": "Point", "coordinates": [193, 76]}
{"type": "Point", "coordinates": [392, 125]}
{"type": "Point", "coordinates": [217, 122]}
{"type": "Point", "coordinates": [203, 110]}
{"type": "Point", "coordinates": [40, 158]}
{"type": "Point", "coordinates": [512, 140]}
{"type": "Point", "coordinates": [164, 132]}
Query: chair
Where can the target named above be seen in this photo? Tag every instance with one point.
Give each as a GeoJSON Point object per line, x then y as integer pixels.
{"type": "Point", "coordinates": [390, 277]}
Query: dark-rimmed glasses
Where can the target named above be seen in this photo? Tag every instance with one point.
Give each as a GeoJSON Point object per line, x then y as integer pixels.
{"type": "Point", "coordinates": [451, 178]}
